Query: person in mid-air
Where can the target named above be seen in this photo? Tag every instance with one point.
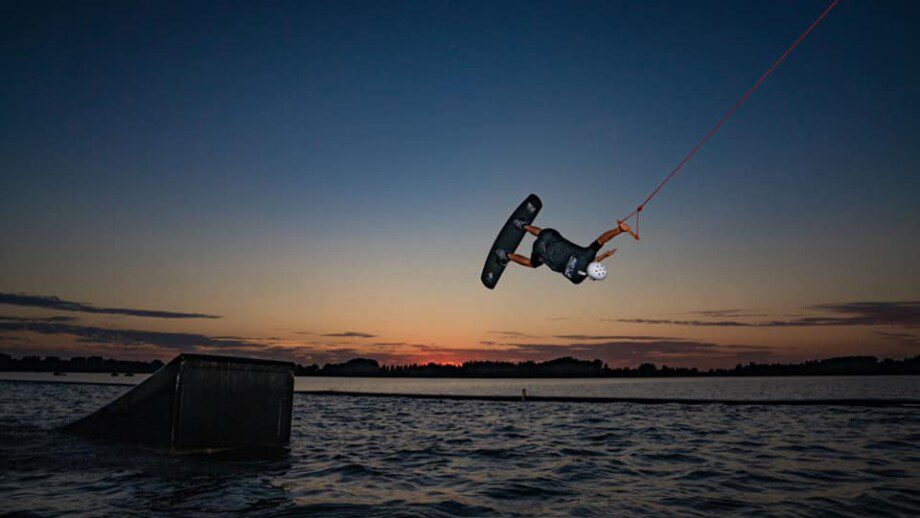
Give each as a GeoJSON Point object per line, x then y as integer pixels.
{"type": "Point", "coordinates": [575, 262]}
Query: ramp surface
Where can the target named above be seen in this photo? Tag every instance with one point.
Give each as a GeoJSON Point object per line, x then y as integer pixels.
{"type": "Point", "coordinates": [201, 402]}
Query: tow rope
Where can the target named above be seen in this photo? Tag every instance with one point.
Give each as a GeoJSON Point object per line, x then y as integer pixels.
{"type": "Point", "coordinates": [727, 116]}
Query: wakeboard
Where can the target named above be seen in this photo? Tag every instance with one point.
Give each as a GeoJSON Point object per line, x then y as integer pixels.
{"type": "Point", "coordinates": [508, 239]}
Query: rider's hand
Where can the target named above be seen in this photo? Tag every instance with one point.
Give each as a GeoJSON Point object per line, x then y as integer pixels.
{"type": "Point", "coordinates": [624, 227]}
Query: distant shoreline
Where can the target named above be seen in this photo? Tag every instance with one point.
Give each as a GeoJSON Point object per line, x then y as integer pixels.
{"type": "Point", "coordinates": [560, 368]}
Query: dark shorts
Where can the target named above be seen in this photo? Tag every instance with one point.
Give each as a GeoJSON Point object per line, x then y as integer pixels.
{"type": "Point", "coordinates": [548, 235]}
{"type": "Point", "coordinates": [536, 257]}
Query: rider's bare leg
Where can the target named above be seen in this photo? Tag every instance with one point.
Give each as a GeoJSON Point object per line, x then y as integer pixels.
{"type": "Point", "coordinates": [533, 230]}
{"type": "Point", "coordinates": [520, 259]}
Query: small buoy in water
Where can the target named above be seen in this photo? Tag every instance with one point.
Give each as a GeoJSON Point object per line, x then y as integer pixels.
{"type": "Point", "coordinates": [523, 394]}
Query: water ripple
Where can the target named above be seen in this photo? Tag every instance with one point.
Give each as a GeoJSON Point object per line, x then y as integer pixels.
{"type": "Point", "coordinates": [405, 457]}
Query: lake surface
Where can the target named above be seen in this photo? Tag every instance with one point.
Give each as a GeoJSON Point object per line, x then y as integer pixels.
{"type": "Point", "coordinates": [746, 388]}
{"type": "Point", "coordinates": [360, 456]}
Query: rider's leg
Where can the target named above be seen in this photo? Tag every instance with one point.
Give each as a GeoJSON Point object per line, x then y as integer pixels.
{"type": "Point", "coordinates": [520, 259]}
{"type": "Point", "coordinates": [533, 230]}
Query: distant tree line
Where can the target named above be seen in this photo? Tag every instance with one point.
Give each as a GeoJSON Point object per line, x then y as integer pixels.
{"type": "Point", "coordinates": [566, 367]}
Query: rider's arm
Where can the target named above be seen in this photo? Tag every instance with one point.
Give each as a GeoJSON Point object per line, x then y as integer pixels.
{"type": "Point", "coordinates": [610, 234]}
{"type": "Point", "coordinates": [605, 255]}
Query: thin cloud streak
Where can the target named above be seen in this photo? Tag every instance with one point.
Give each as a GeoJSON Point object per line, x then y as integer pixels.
{"type": "Point", "coordinates": [6, 318]}
{"type": "Point", "coordinates": [901, 314]}
{"type": "Point", "coordinates": [908, 339]}
{"type": "Point", "coordinates": [512, 334]}
{"type": "Point", "coordinates": [186, 342]}
{"type": "Point", "coordinates": [614, 337]}
{"type": "Point", "coordinates": [54, 303]}
{"type": "Point", "coordinates": [622, 350]}
{"type": "Point", "coordinates": [696, 323]}
{"type": "Point", "coordinates": [350, 334]}
{"type": "Point", "coordinates": [727, 313]}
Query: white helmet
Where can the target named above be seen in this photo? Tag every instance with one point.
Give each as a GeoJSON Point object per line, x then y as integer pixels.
{"type": "Point", "coordinates": [597, 271]}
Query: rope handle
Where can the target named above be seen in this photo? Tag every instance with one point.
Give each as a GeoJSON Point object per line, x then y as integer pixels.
{"type": "Point", "coordinates": [633, 233]}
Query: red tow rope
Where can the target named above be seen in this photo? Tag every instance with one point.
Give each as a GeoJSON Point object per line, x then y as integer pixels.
{"type": "Point", "coordinates": [728, 115]}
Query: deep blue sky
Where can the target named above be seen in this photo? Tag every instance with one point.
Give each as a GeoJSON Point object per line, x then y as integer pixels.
{"type": "Point", "coordinates": [203, 156]}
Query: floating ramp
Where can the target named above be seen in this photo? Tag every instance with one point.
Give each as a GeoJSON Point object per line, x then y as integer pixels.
{"type": "Point", "coordinates": [201, 403]}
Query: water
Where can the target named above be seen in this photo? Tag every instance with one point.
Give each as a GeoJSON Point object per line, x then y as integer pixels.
{"type": "Point", "coordinates": [752, 389]}
{"type": "Point", "coordinates": [360, 456]}
{"type": "Point", "coordinates": [747, 388]}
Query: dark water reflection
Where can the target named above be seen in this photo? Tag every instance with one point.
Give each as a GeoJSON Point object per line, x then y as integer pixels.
{"type": "Point", "coordinates": [371, 456]}
{"type": "Point", "coordinates": [746, 388]}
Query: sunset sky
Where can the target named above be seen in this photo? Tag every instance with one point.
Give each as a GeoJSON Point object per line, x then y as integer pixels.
{"type": "Point", "coordinates": [320, 181]}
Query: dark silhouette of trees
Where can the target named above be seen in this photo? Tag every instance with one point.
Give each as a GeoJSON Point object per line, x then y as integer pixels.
{"type": "Point", "coordinates": [566, 367]}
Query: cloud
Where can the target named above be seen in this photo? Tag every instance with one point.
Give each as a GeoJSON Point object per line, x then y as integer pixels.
{"type": "Point", "coordinates": [389, 344]}
{"type": "Point", "coordinates": [257, 339]}
{"type": "Point", "coordinates": [701, 323]}
{"type": "Point", "coordinates": [351, 334]}
{"type": "Point", "coordinates": [622, 350]}
{"type": "Point", "coordinates": [54, 303]}
{"type": "Point", "coordinates": [152, 343]}
{"type": "Point", "coordinates": [512, 334]}
{"type": "Point", "coordinates": [7, 340]}
{"type": "Point", "coordinates": [908, 339]}
{"type": "Point", "coordinates": [5, 318]}
{"type": "Point", "coordinates": [613, 337]}
{"type": "Point", "coordinates": [185, 342]}
{"type": "Point", "coordinates": [727, 313]}
{"type": "Point", "coordinates": [902, 314]}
